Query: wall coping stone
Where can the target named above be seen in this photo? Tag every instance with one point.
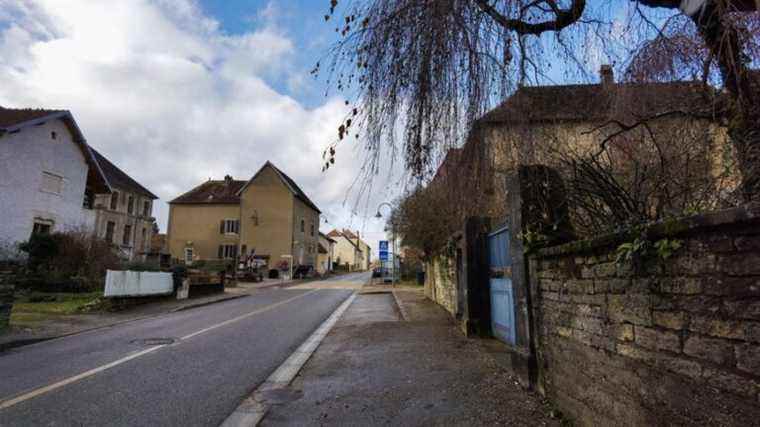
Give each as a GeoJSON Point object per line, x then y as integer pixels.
{"type": "Point", "coordinates": [742, 215]}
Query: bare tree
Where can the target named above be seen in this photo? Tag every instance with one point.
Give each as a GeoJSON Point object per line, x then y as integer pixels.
{"type": "Point", "coordinates": [423, 71]}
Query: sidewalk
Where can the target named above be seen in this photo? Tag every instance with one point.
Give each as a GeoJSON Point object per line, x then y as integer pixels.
{"type": "Point", "coordinates": [374, 368]}
{"type": "Point", "coordinates": [62, 325]}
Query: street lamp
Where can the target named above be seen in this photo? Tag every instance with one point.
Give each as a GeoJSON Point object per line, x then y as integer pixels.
{"type": "Point", "coordinates": [378, 215]}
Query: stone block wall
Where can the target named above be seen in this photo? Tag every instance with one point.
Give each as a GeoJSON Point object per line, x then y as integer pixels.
{"type": "Point", "coordinates": [441, 282]}
{"type": "Point", "coordinates": [7, 286]}
{"type": "Point", "coordinates": [667, 341]}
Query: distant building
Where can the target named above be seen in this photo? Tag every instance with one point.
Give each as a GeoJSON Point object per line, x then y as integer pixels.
{"type": "Point", "coordinates": [268, 216]}
{"type": "Point", "coordinates": [325, 257]}
{"type": "Point", "coordinates": [52, 180]}
{"type": "Point", "coordinates": [351, 252]}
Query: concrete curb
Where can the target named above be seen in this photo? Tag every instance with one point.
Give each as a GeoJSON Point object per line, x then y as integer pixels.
{"type": "Point", "coordinates": [31, 341]}
{"type": "Point", "coordinates": [401, 309]}
{"type": "Point", "coordinates": [253, 409]}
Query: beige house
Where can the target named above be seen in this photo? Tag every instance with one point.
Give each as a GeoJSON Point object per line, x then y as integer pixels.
{"type": "Point", "coordinates": [326, 253]}
{"type": "Point", "coordinates": [125, 216]}
{"type": "Point", "coordinates": [267, 216]}
{"type": "Point", "coordinates": [351, 252]}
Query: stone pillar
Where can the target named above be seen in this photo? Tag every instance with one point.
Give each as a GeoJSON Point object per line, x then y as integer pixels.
{"type": "Point", "coordinates": [537, 214]}
{"type": "Point", "coordinates": [7, 287]}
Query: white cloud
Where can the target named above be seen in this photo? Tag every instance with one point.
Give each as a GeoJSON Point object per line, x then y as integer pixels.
{"type": "Point", "coordinates": [170, 98]}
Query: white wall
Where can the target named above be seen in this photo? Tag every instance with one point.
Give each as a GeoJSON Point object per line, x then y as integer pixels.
{"type": "Point", "coordinates": [23, 158]}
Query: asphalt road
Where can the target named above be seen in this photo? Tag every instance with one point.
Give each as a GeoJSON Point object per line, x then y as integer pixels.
{"type": "Point", "coordinates": [113, 376]}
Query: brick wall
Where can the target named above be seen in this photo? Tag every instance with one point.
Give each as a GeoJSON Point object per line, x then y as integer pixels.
{"type": "Point", "coordinates": [670, 341]}
{"type": "Point", "coordinates": [6, 298]}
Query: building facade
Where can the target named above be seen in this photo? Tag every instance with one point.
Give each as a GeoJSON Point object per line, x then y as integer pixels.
{"type": "Point", "coordinates": [268, 216]}
{"type": "Point", "coordinates": [48, 174]}
{"type": "Point", "coordinates": [326, 253]}
{"type": "Point", "coordinates": [351, 252]}
{"type": "Point", "coordinates": [124, 217]}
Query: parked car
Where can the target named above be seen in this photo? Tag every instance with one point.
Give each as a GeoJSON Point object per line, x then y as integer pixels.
{"type": "Point", "coordinates": [377, 272]}
{"type": "Point", "coordinates": [303, 271]}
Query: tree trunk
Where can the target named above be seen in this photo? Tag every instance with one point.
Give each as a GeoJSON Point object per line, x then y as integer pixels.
{"type": "Point", "coordinates": [723, 39]}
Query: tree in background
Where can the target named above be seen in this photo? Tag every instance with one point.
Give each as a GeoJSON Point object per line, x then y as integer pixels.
{"type": "Point", "coordinates": [423, 71]}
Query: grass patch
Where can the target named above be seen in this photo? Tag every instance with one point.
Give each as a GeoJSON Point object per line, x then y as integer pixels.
{"type": "Point", "coordinates": [52, 303]}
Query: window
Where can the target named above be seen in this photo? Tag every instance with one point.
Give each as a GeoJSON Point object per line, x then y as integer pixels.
{"type": "Point", "coordinates": [229, 226]}
{"type": "Point", "coordinates": [130, 204]}
{"type": "Point", "coordinates": [51, 183]}
{"type": "Point", "coordinates": [110, 226]}
{"type": "Point", "coordinates": [114, 200]}
{"type": "Point", "coordinates": [144, 242]}
{"type": "Point", "coordinates": [311, 228]}
{"type": "Point", "coordinates": [53, 135]}
{"type": "Point", "coordinates": [227, 251]}
{"type": "Point", "coordinates": [146, 208]}
{"type": "Point", "coordinates": [243, 250]}
{"type": "Point", "coordinates": [188, 256]}
{"type": "Point", "coordinates": [303, 224]}
{"type": "Point", "coordinates": [42, 227]}
{"type": "Point", "coordinates": [89, 198]}
{"type": "Point", "coordinates": [127, 237]}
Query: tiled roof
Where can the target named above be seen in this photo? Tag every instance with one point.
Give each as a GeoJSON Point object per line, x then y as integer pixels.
{"type": "Point", "coordinates": [327, 237]}
{"type": "Point", "coordinates": [118, 179]}
{"type": "Point", "coordinates": [14, 116]}
{"type": "Point", "coordinates": [596, 101]}
{"type": "Point", "coordinates": [213, 192]}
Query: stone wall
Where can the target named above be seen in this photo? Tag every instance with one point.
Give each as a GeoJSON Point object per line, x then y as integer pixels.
{"type": "Point", "coordinates": [441, 282]}
{"type": "Point", "coordinates": [6, 298]}
{"type": "Point", "coordinates": [659, 341]}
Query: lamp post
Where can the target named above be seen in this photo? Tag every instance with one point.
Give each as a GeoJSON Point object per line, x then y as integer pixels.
{"type": "Point", "coordinates": [378, 215]}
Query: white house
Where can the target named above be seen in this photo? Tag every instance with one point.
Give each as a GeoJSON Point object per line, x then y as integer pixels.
{"type": "Point", "coordinates": [48, 174]}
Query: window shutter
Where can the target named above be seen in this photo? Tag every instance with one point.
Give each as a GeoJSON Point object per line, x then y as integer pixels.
{"type": "Point", "coordinates": [221, 227]}
{"type": "Point", "coordinates": [221, 252]}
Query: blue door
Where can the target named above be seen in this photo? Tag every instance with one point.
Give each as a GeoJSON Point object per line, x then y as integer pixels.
{"type": "Point", "coordinates": [500, 283]}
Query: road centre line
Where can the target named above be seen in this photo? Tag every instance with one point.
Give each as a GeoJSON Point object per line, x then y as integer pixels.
{"type": "Point", "coordinates": [4, 404]}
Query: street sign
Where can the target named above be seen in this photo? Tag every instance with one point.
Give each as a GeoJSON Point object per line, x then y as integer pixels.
{"type": "Point", "coordinates": [383, 255]}
{"type": "Point", "coordinates": [383, 246]}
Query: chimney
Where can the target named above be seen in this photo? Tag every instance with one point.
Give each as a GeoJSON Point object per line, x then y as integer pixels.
{"type": "Point", "coordinates": [227, 180]}
{"type": "Point", "coordinates": [606, 75]}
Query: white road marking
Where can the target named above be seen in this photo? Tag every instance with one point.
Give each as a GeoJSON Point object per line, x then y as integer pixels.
{"type": "Point", "coordinates": [4, 404]}
{"type": "Point", "coordinates": [253, 409]}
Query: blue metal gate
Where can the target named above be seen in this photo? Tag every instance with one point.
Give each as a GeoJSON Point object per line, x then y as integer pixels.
{"type": "Point", "coordinates": [500, 282]}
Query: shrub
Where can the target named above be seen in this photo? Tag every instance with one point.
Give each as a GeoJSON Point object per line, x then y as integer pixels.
{"type": "Point", "coordinates": [73, 261]}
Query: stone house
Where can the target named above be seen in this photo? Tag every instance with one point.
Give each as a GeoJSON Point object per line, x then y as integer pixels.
{"type": "Point", "coordinates": [268, 216]}
{"type": "Point", "coordinates": [351, 250]}
{"type": "Point", "coordinates": [326, 253]}
{"type": "Point", "coordinates": [124, 217]}
{"type": "Point", "coordinates": [48, 174]}
{"type": "Point", "coordinates": [551, 124]}
{"type": "Point", "coordinates": [348, 254]}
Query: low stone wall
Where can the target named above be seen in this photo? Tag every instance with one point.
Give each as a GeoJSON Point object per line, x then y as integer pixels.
{"type": "Point", "coordinates": [668, 341]}
{"type": "Point", "coordinates": [441, 282]}
{"type": "Point", "coordinates": [7, 287]}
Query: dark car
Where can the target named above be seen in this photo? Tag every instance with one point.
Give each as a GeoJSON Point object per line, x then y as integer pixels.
{"type": "Point", "coordinates": [303, 271]}
{"type": "Point", "coordinates": [377, 272]}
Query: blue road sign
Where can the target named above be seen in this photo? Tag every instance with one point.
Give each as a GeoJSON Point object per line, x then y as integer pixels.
{"type": "Point", "coordinates": [383, 246]}
{"type": "Point", "coordinates": [383, 255]}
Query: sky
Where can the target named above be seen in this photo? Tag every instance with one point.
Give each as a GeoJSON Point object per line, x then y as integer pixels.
{"type": "Point", "coordinates": [175, 92]}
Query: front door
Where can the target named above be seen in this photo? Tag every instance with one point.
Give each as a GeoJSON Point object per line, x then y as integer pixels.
{"type": "Point", "coordinates": [500, 283]}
